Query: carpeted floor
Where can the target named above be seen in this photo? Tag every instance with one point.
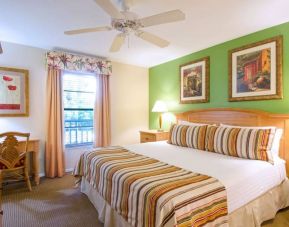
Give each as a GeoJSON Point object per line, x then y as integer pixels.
{"type": "Point", "coordinates": [55, 203]}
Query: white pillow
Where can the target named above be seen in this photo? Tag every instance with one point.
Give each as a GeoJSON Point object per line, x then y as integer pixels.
{"type": "Point", "coordinates": [276, 140]}
{"type": "Point", "coordinates": [250, 127]}
{"type": "Point", "coordinates": [187, 123]}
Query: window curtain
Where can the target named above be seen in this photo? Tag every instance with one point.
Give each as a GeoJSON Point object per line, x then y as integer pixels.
{"type": "Point", "coordinates": [54, 155]}
{"type": "Point", "coordinates": [56, 63]}
{"type": "Point", "coordinates": [102, 134]}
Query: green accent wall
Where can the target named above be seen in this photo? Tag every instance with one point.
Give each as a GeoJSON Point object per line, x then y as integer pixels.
{"type": "Point", "coordinates": [164, 79]}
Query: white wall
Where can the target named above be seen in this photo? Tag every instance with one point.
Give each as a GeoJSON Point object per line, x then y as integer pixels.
{"type": "Point", "coordinates": [129, 99]}
{"type": "Point", "coordinates": [33, 59]}
{"type": "Point", "coordinates": [129, 102]}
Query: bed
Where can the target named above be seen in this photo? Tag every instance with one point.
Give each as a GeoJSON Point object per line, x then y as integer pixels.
{"type": "Point", "coordinates": [255, 190]}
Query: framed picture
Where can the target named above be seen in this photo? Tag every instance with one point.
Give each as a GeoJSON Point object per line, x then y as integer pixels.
{"type": "Point", "coordinates": [14, 90]}
{"type": "Point", "coordinates": [195, 81]}
{"type": "Point", "coordinates": [255, 71]}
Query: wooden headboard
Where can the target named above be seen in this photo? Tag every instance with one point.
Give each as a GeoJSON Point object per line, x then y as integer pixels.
{"type": "Point", "coordinates": [243, 117]}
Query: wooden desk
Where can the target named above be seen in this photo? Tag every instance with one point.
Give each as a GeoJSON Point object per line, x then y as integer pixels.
{"type": "Point", "coordinates": [33, 147]}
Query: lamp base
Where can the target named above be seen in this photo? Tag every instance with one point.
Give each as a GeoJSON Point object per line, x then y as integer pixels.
{"type": "Point", "coordinates": [160, 123]}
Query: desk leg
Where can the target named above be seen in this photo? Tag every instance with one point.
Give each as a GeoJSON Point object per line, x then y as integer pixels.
{"type": "Point", "coordinates": [1, 188]}
{"type": "Point", "coordinates": [35, 156]}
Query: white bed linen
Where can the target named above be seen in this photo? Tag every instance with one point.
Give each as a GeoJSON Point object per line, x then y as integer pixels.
{"type": "Point", "coordinates": [244, 179]}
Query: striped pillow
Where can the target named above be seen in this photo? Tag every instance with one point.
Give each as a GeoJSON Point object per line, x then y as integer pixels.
{"type": "Point", "coordinates": [246, 143]}
{"type": "Point", "coordinates": [210, 136]}
{"type": "Point", "coordinates": [188, 136]}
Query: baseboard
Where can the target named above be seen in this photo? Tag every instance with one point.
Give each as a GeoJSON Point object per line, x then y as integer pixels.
{"type": "Point", "coordinates": [66, 171]}
{"type": "Point", "coordinates": [69, 170]}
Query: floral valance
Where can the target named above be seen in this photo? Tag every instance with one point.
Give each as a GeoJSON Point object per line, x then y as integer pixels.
{"type": "Point", "coordinates": [71, 62]}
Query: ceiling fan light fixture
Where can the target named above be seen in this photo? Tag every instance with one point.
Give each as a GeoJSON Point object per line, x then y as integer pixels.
{"type": "Point", "coordinates": [125, 26]}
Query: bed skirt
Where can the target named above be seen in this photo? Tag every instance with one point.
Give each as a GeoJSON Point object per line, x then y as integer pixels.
{"type": "Point", "coordinates": [253, 214]}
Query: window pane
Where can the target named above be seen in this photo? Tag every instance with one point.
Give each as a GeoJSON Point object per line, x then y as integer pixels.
{"type": "Point", "coordinates": [78, 100]}
{"type": "Point", "coordinates": [79, 82]}
{"type": "Point", "coordinates": [78, 127]}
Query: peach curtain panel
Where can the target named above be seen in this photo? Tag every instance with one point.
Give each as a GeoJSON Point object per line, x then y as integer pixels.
{"type": "Point", "coordinates": [102, 130]}
{"type": "Point", "coordinates": [54, 156]}
{"type": "Point", "coordinates": [57, 62]}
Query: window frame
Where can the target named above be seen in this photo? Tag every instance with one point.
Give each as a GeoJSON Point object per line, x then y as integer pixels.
{"type": "Point", "coordinates": [83, 144]}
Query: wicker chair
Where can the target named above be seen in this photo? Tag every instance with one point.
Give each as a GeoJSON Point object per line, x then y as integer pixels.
{"type": "Point", "coordinates": [13, 163]}
{"type": "Point", "coordinates": [1, 211]}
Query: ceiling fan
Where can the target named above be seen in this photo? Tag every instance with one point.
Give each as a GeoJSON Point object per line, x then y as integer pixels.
{"type": "Point", "coordinates": [128, 22]}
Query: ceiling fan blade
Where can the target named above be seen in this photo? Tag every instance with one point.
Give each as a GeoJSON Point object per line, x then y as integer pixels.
{"type": "Point", "coordinates": [110, 9]}
{"type": "Point", "coordinates": [126, 4]}
{"type": "Point", "coordinates": [163, 18]}
{"type": "Point", "coordinates": [87, 30]}
{"type": "Point", "coordinates": [152, 39]}
{"type": "Point", "coordinates": [117, 42]}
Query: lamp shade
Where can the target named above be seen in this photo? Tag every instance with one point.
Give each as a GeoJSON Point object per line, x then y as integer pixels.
{"type": "Point", "coordinates": [160, 107]}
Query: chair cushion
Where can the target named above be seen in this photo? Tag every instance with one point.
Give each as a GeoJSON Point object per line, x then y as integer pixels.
{"type": "Point", "coordinates": [18, 164]}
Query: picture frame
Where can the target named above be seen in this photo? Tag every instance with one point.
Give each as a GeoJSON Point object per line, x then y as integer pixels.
{"type": "Point", "coordinates": [14, 90]}
{"type": "Point", "coordinates": [255, 71]}
{"type": "Point", "coordinates": [195, 81]}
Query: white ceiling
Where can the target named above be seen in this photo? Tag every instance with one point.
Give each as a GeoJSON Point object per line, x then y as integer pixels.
{"type": "Point", "coordinates": [40, 23]}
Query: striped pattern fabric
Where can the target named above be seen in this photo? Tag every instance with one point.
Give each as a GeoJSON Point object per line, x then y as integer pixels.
{"type": "Point", "coordinates": [150, 193]}
{"type": "Point", "coordinates": [210, 138]}
{"type": "Point", "coordinates": [188, 136]}
{"type": "Point", "coordinates": [249, 143]}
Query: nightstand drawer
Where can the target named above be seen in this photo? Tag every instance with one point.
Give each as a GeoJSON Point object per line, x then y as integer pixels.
{"type": "Point", "coordinates": [162, 136]}
{"type": "Point", "coordinates": [153, 136]}
{"type": "Point", "coordinates": [146, 137]}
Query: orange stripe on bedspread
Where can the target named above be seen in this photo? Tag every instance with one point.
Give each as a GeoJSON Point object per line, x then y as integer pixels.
{"type": "Point", "coordinates": [147, 192]}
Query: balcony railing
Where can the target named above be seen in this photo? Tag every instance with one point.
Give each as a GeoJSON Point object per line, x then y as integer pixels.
{"type": "Point", "coordinates": [78, 132]}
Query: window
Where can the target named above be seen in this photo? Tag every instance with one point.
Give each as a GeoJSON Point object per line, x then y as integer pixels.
{"type": "Point", "coordinates": [78, 99]}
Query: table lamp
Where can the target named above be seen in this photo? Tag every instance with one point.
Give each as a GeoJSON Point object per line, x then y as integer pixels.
{"type": "Point", "coordinates": [160, 107]}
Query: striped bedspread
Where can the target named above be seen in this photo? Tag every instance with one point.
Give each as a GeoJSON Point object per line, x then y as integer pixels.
{"type": "Point", "coordinates": [147, 192]}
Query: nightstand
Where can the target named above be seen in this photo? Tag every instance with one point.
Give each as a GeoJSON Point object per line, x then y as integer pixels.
{"type": "Point", "coordinates": [153, 136]}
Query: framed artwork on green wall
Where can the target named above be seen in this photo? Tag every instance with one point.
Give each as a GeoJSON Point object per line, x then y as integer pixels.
{"type": "Point", "coordinates": [195, 81]}
{"type": "Point", "coordinates": [255, 71]}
